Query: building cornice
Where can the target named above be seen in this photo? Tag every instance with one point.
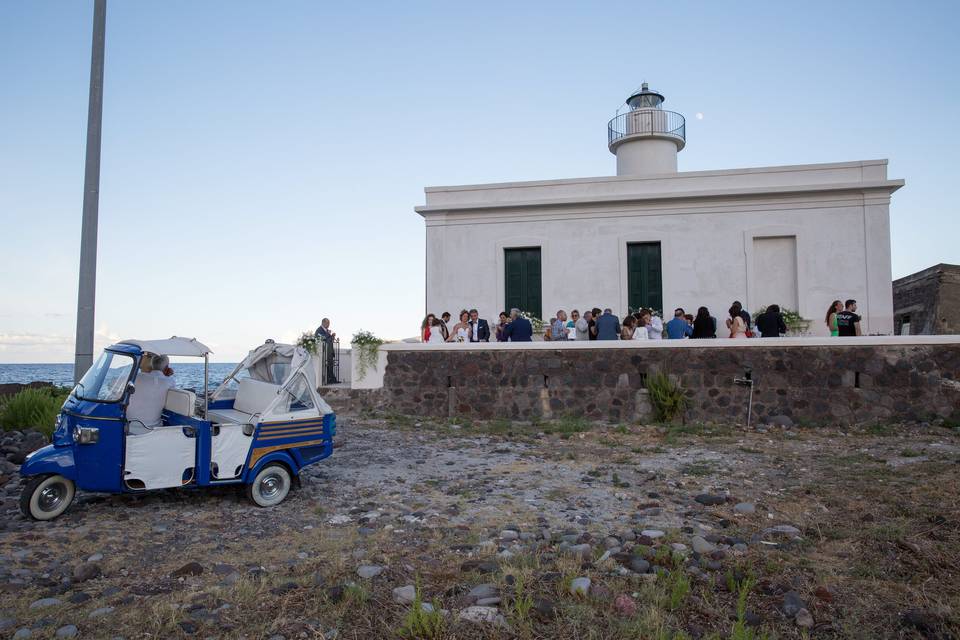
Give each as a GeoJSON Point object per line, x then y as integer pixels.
{"type": "Point", "coordinates": [792, 168]}
{"type": "Point", "coordinates": [876, 191]}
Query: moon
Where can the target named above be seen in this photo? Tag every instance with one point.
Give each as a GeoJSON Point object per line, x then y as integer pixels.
{"type": "Point", "coordinates": [699, 116]}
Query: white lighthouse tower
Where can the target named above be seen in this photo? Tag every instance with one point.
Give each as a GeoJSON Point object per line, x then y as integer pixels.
{"type": "Point", "coordinates": [646, 138]}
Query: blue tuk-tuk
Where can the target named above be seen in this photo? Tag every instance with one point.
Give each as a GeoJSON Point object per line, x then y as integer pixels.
{"type": "Point", "coordinates": [127, 428]}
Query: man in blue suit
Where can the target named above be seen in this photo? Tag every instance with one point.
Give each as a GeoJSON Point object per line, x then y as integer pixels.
{"type": "Point", "coordinates": [608, 326]}
{"type": "Point", "coordinates": [479, 329]}
{"type": "Point", "coordinates": [519, 329]}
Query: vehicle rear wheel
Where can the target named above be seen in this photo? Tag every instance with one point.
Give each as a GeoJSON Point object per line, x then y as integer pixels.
{"type": "Point", "coordinates": [270, 486]}
{"type": "Point", "coordinates": [46, 497]}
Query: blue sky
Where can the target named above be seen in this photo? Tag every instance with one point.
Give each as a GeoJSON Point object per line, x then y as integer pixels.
{"type": "Point", "coordinates": [261, 161]}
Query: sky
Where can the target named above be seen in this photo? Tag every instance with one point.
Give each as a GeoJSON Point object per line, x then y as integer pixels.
{"type": "Point", "coordinates": [261, 161]}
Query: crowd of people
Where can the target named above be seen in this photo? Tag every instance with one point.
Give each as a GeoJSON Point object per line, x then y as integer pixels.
{"type": "Point", "coordinates": [645, 324]}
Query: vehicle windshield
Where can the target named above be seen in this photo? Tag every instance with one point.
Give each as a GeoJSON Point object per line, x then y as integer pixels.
{"type": "Point", "coordinates": [107, 379]}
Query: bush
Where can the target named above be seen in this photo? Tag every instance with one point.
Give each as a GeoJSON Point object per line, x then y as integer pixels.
{"type": "Point", "coordinates": [668, 399]}
{"type": "Point", "coordinates": [32, 409]}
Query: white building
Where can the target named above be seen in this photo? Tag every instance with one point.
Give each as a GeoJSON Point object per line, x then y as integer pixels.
{"type": "Point", "coordinates": [800, 236]}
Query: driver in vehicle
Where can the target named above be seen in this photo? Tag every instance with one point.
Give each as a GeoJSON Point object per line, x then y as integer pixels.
{"type": "Point", "coordinates": [146, 404]}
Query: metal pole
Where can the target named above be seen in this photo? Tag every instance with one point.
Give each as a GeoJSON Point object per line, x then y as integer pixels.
{"type": "Point", "coordinates": [87, 290]}
{"type": "Point", "coordinates": [206, 385]}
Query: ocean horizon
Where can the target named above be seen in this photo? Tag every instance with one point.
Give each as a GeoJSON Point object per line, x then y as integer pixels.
{"type": "Point", "coordinates": [189, 375]}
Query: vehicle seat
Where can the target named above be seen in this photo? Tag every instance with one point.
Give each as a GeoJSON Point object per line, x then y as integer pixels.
{"type": "Point", "coordinates": [181, 402]}
{"type": "Point", "coordinates": [252, 398]}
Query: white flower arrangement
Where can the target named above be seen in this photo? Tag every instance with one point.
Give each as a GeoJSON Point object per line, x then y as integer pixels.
{"type": "Point", "coordinates": [535, 322]}
{"type": "Point", "coordinates": [653, 312]}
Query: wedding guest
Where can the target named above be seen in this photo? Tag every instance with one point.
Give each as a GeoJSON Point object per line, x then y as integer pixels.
{"type": "Point", "coordinates": [594, 316]}
{"type": "Point", "coordinates": [572, 325]}
{"type": "Point", "coordinates": [678, 327]}
{"type": "Point", "coordinates": [325, 335]}
{"type": "Point", "coordinates": [831, 319]}
{"type": "Point", "coordinates": [744, 314]}
{"type": "Point", "coordinates": [736, 323]}
{"type": "Point", "coordinates": [628, 328]}
{"type": "Point", "coordinates": [437, 332]}
{"type": "Point", "coordinates": [447, 328]}
{"type": "Point", "coordinates": [501, 326]}
{"type": "Point", "coordinates": [559, 331]}
{"type": "Point", "coordinates": [548, 329]}
{"type": "Point", "coordinates": [770, 323]}
{"type": "Point", "coordinates": [583, 326]}
{"type": "Point", "coordinates": [608, 326]}
{"type": "Point", "coordinates": [640, 331]}
{"type": "Point", "coordinates": [426, 326]}
{"type": "Point", "coordinates": [848, 322]}
{"type": "Point", "coordinates": [460, 332]}
{"type": "Point", "coordinates": [704, 325]}
{"type": "Point", "coordinates": [519, 329]}
{"type": "Point", "coordinates": [654, 324]}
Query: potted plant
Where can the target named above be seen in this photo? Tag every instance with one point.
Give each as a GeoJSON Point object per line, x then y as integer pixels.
{"type": "Point", "coordinates": [365, 349]}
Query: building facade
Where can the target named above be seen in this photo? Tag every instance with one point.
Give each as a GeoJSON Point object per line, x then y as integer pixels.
{"type": "Point", "coordinates": [928, 302]}
{"type": "Point", "coordinates": [798, 236]}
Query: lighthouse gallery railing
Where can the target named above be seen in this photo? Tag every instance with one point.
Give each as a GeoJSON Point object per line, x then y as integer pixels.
{"type": "Point", "coordinates": [647, 122]}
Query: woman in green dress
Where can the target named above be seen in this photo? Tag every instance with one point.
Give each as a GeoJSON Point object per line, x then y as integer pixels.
{"type": "Point", "coordinates": [835, 307]}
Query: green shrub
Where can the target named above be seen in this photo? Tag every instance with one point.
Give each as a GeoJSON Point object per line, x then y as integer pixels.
{"type": "Point", "coordinates": [570, 424]}
{"type": "Point", "coordinates": [667, 397]}
{"type": "Point", "coordinates": [420, 624]}
{"type": "Point", "coordinates": [679, 586]}
{"type": "Point", "coordinates": [32, 409]}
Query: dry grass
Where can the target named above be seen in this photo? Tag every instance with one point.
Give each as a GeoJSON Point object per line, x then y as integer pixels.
{"type": "Point", "coordinates": [877, 541]}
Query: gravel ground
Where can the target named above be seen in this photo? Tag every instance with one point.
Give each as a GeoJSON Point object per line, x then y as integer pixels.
{"type": "Point", "coordinates": [826, 532]}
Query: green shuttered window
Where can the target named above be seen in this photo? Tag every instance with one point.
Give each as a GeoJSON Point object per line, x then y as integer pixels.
{"type": "Point", "coordinates": [523, 280]}
{"type": "Point", "coordinates": [644, 276]}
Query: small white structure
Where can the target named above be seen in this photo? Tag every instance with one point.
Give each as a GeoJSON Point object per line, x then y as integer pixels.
{"type": "Point", "coordinates": [798, 236]}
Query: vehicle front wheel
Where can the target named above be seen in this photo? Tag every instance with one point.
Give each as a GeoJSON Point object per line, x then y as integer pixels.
{"type": "Point", "coordinates": [46, 497]}
{"type": "Point", "coordinates": [270, 486]}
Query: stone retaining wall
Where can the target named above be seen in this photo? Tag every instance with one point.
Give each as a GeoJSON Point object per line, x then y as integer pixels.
{"type": "Point", "coordinates": [817, 383]}
{"type": "Point", "coordinates": [13, 388]}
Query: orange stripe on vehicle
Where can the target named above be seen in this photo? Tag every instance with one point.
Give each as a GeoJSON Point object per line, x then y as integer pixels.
{"type": "Point", "coordinates": [262, 451]}
{"type": "Point", "coordinates": [291, 434]}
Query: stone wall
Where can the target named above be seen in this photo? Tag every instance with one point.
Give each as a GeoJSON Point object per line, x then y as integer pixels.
{"type": "Point", "coordinates": [817, 383]}
{"type": "Point", "coordinates": [929, 300]}
{"type": "Point", "coordinates": [13, 388]}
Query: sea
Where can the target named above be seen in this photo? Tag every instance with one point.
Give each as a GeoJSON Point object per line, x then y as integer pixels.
{"type": "Point", "coordinates": [189, 375]}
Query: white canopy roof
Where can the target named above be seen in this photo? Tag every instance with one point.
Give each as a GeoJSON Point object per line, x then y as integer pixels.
{"type": "Point", "coordinates": [173, 346]}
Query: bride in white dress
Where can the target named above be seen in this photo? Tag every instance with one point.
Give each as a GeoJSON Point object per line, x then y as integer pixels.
{"type": "Point", "coordinates": [461, 331]}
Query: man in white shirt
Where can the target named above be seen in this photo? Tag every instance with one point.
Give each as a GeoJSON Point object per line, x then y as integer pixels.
{"type": "Point", "coordinates": [150, 393]}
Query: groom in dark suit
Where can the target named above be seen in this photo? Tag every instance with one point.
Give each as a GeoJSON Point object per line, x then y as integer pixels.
{"type": "Point", "coordinates": [479, 329]}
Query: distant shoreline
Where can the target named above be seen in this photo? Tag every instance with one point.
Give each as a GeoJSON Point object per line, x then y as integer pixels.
{"type": "Point", "coordinates": [188, 374]}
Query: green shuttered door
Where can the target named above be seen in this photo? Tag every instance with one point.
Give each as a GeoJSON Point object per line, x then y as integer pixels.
{"type": "Point", "coordinates": [523, 280]}
{"type": "Point", "coordinates": [644, 280]}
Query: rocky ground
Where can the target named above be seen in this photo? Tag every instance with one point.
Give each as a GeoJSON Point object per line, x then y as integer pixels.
{"type": "Point", "coordinates": [489, 530]}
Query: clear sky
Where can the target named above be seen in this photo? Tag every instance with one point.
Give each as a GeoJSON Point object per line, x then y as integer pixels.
{"type": "Point", "coordinates": [261, 160]}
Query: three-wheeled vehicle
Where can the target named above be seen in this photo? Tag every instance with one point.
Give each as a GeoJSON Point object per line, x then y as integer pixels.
{"type": "Point", "coordinates": [260, 427]}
